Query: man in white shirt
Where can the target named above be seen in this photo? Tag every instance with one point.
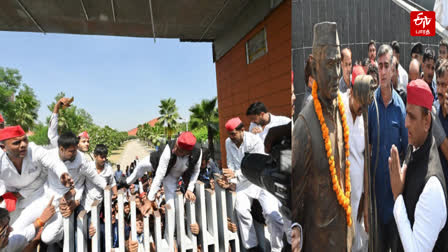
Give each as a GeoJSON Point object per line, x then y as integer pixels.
{"type": "Point", "coordinates": [419, 187]}
{"type": "Point", "coordinates": [181, 153]}
{"type": "Point", "coordinates": [67, 200]}
{"type": "Point", "coordinates": [84, 139]}
{"type": "Point", "coordinates": [356, 102]}
{"type": "Point", "coordinates": [402, 74]}
{"type": "Point", "coordinates": [238, 143]}
{"type": "Point", "coordinates": [24, 167]}
{"type": "Point", "coordinates": [261, 120]}
{"type": "Point", "coordinates": [104, 169]}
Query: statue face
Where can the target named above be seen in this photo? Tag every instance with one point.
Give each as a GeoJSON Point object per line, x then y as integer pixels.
{"type": "Point", "coordinates": [328, 71]}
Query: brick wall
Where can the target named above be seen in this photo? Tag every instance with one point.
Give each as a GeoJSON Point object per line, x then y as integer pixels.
{"type": "Point", "coordinates": [267, 79]}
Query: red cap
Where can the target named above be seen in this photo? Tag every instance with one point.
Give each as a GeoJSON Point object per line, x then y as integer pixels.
{"type": "Point", "coordinates": [186, 140]}
{"type": "Point", "coordinates": [233, 123]}
{"type": "Point", "coordinates": [357, 70]}
{"type": "Point", "coordinates": [11, 132]}
{"type": "Point", "coordinates": [1, 119]}
{"type": "Point", "coordinates": [83, 135]}
{"type": "Point", "coordinates": [419, 94]}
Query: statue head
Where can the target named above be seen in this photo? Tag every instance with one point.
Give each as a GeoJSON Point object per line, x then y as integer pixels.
{"type": "Point", "coordinates": [326, 60]}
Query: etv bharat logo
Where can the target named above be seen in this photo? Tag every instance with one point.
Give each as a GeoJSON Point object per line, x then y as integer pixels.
{"type": "Point", "coordinates": [423, 23]}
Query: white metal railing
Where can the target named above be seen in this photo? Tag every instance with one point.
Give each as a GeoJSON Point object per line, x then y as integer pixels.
{"type": "Point", "coordinates": [210, 211]}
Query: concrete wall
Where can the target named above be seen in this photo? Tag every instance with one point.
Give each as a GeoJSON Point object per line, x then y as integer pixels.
{"type": "Point", "coordinates": [359, 21]}
{"type": "Point", "coordinates": [267, 79]}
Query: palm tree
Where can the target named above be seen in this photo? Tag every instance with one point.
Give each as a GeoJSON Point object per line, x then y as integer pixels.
{"type": "Point", "coordinates": [168, 116]}
{"type": "Point", "coordinates": [205, 114]}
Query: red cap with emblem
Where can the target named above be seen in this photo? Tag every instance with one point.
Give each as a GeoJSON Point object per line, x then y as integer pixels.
{"type": "Point", "coordinates": [233, 123]}
{"type": "Point", "coordinates": [11, 132]}
{"type": "Point", "coordinates": [186, 141]}
{"type": "Point", "coordinates": [83, 135]}
{"type": "Point", "coordinates": [419, 94]}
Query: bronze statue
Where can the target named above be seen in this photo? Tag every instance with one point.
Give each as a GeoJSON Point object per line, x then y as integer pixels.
{"type": "Point", "coordinates": [315, 204]}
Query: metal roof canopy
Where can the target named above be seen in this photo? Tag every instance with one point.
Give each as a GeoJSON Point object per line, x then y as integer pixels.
{"type": "Point", "coordinates": [223, 22]}
{"type": "Point", "coordinates": [199, 20]}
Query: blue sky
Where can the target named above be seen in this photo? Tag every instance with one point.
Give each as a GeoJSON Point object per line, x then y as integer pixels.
{"type": "Point", "coordinates": [118, 80]}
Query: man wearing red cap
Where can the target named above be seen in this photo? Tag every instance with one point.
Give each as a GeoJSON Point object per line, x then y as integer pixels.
{"type": "Point", "coordinates": [23, 170]}
{"type": "Point", "coordinates": [67, 201]}
{"type": "Point", "coordinates": [175, 161]}
{"type": "Point", "coordinates": [419, 187]}
{"type": "Point", "coordinates": [237, 144]}
{"type": "Point", "coordinates": [84, 138]}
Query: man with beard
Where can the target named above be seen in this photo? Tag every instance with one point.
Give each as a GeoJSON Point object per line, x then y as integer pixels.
{"type": "Point", "coordinates": [320, 176]}
{"type": "Point", "coordinates": [419, 187]}
{"type": "Point", "coordinates": [428, 68]}
{"type": "Point", "coordinates": [261, 120]}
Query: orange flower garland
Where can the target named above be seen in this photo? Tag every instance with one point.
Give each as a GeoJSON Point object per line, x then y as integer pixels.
{"type": "Point", "coordinates": [343, 199]}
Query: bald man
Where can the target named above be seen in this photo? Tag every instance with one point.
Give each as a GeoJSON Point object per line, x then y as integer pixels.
{"type": "Point", "coordinates": [346, 63]}
{"type": "Point", "coordinates": [414, 70]}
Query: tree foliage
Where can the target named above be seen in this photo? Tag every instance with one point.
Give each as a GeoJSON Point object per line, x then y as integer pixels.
{"type": "Point", "coordinates": [205, 115]}
{"type": "Point", "coordinates": [152, 135]}
{"type": "Point", "coordinates": [18, 103]}
{"type": "Point", "coordinates": [72, 118]}
{"type": "Point", "coordinates": [168, 116]}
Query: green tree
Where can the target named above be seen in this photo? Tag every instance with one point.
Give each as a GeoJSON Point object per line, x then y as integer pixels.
{"type": "Point", "coordinates": [18, 103]}
{"type": "Point", "coordinates": [23, 111]}
{"type": "Point", "coordinates": [40, 136]}
{"type": "Point", "coordinates": [205, 114]}
{"type": "Point", "coordinates": [72, 118]}
{"type": "Point", "coordinates": [168, 116]}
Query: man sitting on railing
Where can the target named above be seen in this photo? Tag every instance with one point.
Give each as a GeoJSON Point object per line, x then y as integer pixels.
{"type": "Point", "coordinates": [79, 169]}
{"type": "Point", "coordinates": [23, 170]}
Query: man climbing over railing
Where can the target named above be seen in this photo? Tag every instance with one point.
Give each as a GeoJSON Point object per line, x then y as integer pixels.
{"type": "Point", "coordinates": [23, 170]}
{"type": "Point", "coordinates": [66, 200]}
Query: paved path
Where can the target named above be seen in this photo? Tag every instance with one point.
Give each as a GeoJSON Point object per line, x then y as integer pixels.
{"type": "Point", "coordinates": [127, 153]}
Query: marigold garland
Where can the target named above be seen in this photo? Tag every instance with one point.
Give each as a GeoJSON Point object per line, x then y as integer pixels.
{"type": "Point", "coordinates": [343, 199]}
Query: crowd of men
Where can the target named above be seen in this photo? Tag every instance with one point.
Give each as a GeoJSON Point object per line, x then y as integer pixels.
{"type": "Point", "coordinates": [405, 162]}
{"type": "Point", "coordinates": [42, 185]}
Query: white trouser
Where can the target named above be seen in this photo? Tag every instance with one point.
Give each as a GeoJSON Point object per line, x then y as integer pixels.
{"type": "Point", "coordinates": [170, 195]}
{"type": "Point", "coordinates": [54, 228]}
{"type": "Point", "coordinates": [271, 213]}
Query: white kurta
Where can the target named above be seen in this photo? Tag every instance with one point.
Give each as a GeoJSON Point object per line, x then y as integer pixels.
{"type": "Point", "coordinates": [29, 183]}
{"type": "Point", "coordinates": [142, 167]}
{"type": "Point", "coordinates": [93, 192]}
{"type": "Point", "coordinates": [79, 170]}
{"type": "Point", "coordinates": [356, 158]}
{"type": "Point", "coordinates": [429, 218]}
{"type": "Point", "coordinates": [170, 180]}
{"type": "Point", "coordinates": [274, 122]}
{"type": "Point", "coordinates": [246, 192]}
